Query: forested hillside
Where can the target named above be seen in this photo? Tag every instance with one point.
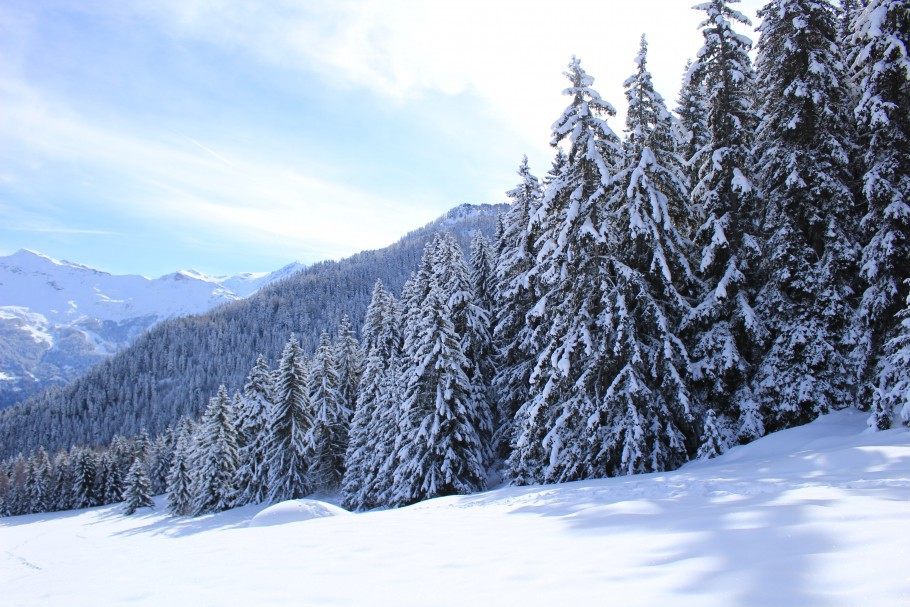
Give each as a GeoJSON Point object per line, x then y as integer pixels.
{"type": "Point", "coordinates": [174, 369]}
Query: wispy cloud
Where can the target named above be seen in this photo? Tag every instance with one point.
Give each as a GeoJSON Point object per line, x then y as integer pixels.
{"type": "Point", "coordinates": [53, 230]}
{"type": "Point", "coordinates": [170, 178]}
{"type": "Point", "coordinates": [510, 53]}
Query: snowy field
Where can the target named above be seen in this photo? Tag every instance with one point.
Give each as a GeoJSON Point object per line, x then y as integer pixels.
{"type": "Point", "coordinates": [818, 515]}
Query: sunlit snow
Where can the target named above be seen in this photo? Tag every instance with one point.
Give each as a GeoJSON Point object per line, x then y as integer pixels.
{"type": "Point", "coordinates": [818, 515]}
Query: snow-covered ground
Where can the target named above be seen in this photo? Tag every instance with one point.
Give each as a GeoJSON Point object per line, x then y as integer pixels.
{"type": "Point", "coordinates": [818, 515]}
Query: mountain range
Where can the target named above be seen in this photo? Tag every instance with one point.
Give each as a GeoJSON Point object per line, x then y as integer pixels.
{"type": "Point", "coordinates": [174, 367]}
{"type": "Point", "coordinates": [58, 318]}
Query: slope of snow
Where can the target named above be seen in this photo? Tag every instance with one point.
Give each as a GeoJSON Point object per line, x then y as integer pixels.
{"type": "Point", "coordinates": [814, 516]}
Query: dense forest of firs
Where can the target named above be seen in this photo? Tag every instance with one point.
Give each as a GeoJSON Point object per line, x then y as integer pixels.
{"type": "Point", "coordinates": [727, 270]}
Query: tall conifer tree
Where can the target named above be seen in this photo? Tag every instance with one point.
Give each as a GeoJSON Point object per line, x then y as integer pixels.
{"type": "Point", "coordinates": [803, 145]}
{"type": "Point", "coordinates": [291, 446]}
{"type": "Point", "coordinates": [723, 331]}
{"type": "Point", "coordinates": [216, 457]}
{"type": "Point", "coordinates": [643, 415]}
{"type": "Point", "coordinates": [550, 426]}
{"type": "Point", "coordinates": [880, 32]}
{"type": "Point", "coordinates": [255, 409]}
{"type": "Point", "coordinates": [516, 295]}
{"type": "Point", "coordinates": [330, 421]}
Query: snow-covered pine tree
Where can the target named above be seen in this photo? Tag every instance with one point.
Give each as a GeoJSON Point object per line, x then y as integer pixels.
{"type": "Point", "coordinates": [693, 121]}
{"type": "Point", "coordinates": [216, 457]}
{"type": "Point", "coordinates": [712, 443]}
{"type": "Point", "coordinates": [472, 325]}
{"type": "Point", "coordinates": [515, 296]}
{"type": "Point", "coordinates": [84, 470]}
{"type": "Point", "coordinates": [38, 482]}
{"type": "Point", "coordinates": [849, 10]}
{"type": "Point", "coordinates": [108, 479]}
{"type": "Point", "coordinates": [382, 323]}
{"type": "Point", "coordinates": [330, 422]}
{"type": "Point", "coordinates": [17, 497]}
{"type": "Point", "coordinates": [549, 442]}
{"type": "Point", "coordinates": [4, 490]}
{"type": "Point", "coordinates": [441, 448]}
{"type": "Point", "coordinates": [894, 376]}
{"type": "Point", "coordinates": [62, 484]}
{"type": "Point", "coordinates": [349, 360]}
{"type": "Point", "coordinates": [290, 438]}
{"type": "Point", "coordinates": [643, 418]}
{"type": "Point", "coordinates": [137, 491]}
{"type": "Point", "coordinates": [180, 477]}
{"type": "Point", "coordinates": [160, 457]}
{"type": "Point", "coordinates": [802, 146]}
{"type": "Point", "coordinates": [881, 32]}
{"type": "Point", "coordinates": [253, 436]}
{"type": "Point", "coordinates": [372, 440]}
{"type": "Point", "coordinates": [723, 332]}
{"type": "Point", "coordinates": [483, 267]}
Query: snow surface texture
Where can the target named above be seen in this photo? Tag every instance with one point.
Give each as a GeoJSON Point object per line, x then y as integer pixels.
{"type": "Point", "coordinates": [812, 516]}
{"type": "Point", "coordinates": [57, 318]}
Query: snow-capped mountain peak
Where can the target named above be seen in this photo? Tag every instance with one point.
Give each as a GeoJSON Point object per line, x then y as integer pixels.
{"type": "Point", "coordinates": [58, 317]}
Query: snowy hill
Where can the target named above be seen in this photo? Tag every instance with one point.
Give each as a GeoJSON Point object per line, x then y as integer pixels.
{"type": "Point", "coordinates": [817, 515]}
{"type": "Point", "coordinates": [57, 318]}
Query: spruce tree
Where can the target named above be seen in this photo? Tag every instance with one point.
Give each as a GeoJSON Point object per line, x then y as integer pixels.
{"type": "Point", "coordinates": [38, 482]}
{"type": "Point", "coordinates": [162, 452]}
{"type": "Point", "coordinates": [442, 451]}
{"type": "Point", "coordinates": [330, 422]}
{"type": "Point", "coordinates": [374, 428]}
{"type": "Point", "coordinates": [108, 479]}
{"type": "Point", "coordinates": [471, 321]}
{"type": "Point", "coordinates": [641, 421]}
{"type": "Point", "coordinates": [483, 267]}
{"type": "Point", "coordinates": [723, 331]}
{"type": "Point", "coordinates": [62, 484]}
{"type": "Point", "coordinates": [515, 296]}
{"type": "Point", "coordinates": [894, 377]}
{"type": "Point", "coordinates": [290, 438]}
{"type": "Point", "coordinates": [349, 360]}
{"type": "Point", "coordinates": [550, 426]}
{"type": "Point", "coordinates": [253, 436]}
{"type": "Point", "coordinates": [84, 471]}
{"type": "Point", "coordinates": [137, 491]}
{"type": "Point", "coordinates": [180, 477]}
{"type": "Point", "coordinates": [712, 443]}
{"type": "Point", "coordinates": [803, 144]}
{"type": "Point", "coordinates": [216, 457]}
{"type": "Point", "coordinates": [693, 121]}
{"type": "Point", "coordinates": [882, 69]}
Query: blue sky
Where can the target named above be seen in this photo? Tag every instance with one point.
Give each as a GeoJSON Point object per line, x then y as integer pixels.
{"type": "Point", "coordinates": [226, 136]}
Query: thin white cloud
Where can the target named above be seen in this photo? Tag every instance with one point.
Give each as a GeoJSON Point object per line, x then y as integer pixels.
{"type": "Point", "coordinates": [510, 53]}
{"type": "Point", "coordinates": [174, 179]}
{"type": "Point", "coordinates": [54, 230]}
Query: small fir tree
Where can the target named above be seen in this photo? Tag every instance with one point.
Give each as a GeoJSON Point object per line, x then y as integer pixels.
{"type": "Point", "coordinates": [137, 491]}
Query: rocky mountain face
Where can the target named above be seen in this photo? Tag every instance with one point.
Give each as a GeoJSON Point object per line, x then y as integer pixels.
{"type": "Point", "coordinates": [59, 318]}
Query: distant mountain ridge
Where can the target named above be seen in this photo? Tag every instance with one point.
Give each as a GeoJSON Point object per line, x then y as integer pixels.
{"type": "Point", "coordinates": [173, 368]}
{"type": "Point", "coordinates": [58, 318]}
